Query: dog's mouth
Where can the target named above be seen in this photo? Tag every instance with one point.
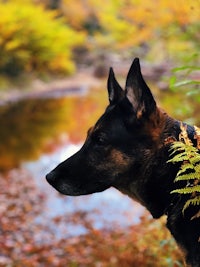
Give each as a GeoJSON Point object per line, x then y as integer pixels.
{"type": "Point", "coordinates": [66, 187]}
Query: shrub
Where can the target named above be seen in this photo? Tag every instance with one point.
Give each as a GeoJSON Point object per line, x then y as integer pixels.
{"type": "Point", "coordinates": [35, 39]}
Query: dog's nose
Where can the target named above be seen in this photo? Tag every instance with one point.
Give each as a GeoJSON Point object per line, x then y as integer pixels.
{"type": "Point", "coordinates": [51, 177]}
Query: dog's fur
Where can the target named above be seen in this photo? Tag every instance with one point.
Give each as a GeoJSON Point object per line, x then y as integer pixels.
{"type": "Point", "coordinates": [128, 149]}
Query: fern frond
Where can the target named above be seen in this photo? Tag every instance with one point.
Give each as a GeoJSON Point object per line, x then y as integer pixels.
{"type": "Point", "coordinates": [187, 176]}
{"type": "Point", "coordinates": [176, 146]}
{"type": "Point", "coordinates": [197, 168]}
{"type": "Point", "coordinates": [195, 159]}
{"type": "Point", "coordinates": [187, 190]}
{"type": "Point", "coordinates": [193, 201]}
{"type": "Point", "coordinates": [184, 153]}
{"type": "Point", "coordinates": [186, 167]}
{"type": "Point", "coordinates": [179, 157]}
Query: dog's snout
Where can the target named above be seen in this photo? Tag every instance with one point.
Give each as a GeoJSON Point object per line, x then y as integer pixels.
{"type": "Point", "coordinates": [51, 177]}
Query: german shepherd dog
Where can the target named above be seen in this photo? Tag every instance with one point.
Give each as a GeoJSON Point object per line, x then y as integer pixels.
{"type": "Point", "coordinates": [128, 149]}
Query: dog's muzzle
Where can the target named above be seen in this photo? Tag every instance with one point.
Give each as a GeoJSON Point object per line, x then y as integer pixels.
{"type": "Point", "coordinates": [51, 177]}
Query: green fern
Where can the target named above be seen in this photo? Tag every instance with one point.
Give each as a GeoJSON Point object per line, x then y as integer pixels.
{"type": "Point", "coordinates": [184, 152]}
{"type": "Point", "coordinates": [194, 201]}
{"type": "Point", "coordinates": [188, 190]}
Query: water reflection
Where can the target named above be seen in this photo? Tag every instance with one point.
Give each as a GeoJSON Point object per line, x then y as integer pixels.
{"type": "Point", "coordinates": [33, 126]}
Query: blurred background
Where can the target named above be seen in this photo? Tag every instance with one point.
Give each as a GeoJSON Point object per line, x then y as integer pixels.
{"type": "Point", "coordinates": [54, 61]}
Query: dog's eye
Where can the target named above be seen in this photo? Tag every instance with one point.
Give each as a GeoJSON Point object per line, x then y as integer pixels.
{"type": "Point", "coordinates": [99, 139]}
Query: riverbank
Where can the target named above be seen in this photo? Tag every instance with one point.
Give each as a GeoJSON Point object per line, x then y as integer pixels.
{"type": "Point", "coordinates": [80, 82]}
{"type": "Point", "coordinates": [76, 84]}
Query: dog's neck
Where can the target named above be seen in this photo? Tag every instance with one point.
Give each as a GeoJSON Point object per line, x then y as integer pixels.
{"type": "Point", "coordinates": [153, 190]}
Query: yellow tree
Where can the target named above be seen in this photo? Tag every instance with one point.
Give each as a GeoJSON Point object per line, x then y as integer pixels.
{"type": "Point", "coordinates": [35, 39]}
{"type": "Point", "coordinates": [127, 23]}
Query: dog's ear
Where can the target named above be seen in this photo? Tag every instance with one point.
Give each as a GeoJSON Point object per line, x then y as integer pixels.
{"type": "Point", "coordinates": [138, 93]}
{"type": "Point", "coordinates": [115, 92]}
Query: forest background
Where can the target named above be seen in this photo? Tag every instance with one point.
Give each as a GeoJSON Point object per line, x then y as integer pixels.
{"type": "Point", "coordinates": [51, 40]}
{"type": "Point", "coordinates": [55, 36]}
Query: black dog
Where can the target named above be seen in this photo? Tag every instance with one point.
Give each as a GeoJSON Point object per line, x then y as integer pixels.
{"type": "Point", "coordinates": [128, 148]}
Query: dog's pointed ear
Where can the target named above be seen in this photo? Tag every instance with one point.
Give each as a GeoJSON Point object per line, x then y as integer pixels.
{"type": "Point", "coordinates": [115, 92]}
{"type": "Point", "coordinates": [137, 91]}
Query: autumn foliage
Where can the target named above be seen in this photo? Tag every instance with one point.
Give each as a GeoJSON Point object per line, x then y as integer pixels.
{"type": "Point", "coordinates": [38, 39]}
{"type": "Point", "coordinates": [28, 241]}
{"type": "Point", "coordinates": [167, 27]}
{"type": "Point", "coordinates": [35, 39]}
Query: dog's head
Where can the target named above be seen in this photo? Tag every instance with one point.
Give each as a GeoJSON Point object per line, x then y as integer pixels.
{"type": "Point", "coordinates": [119, 147]}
